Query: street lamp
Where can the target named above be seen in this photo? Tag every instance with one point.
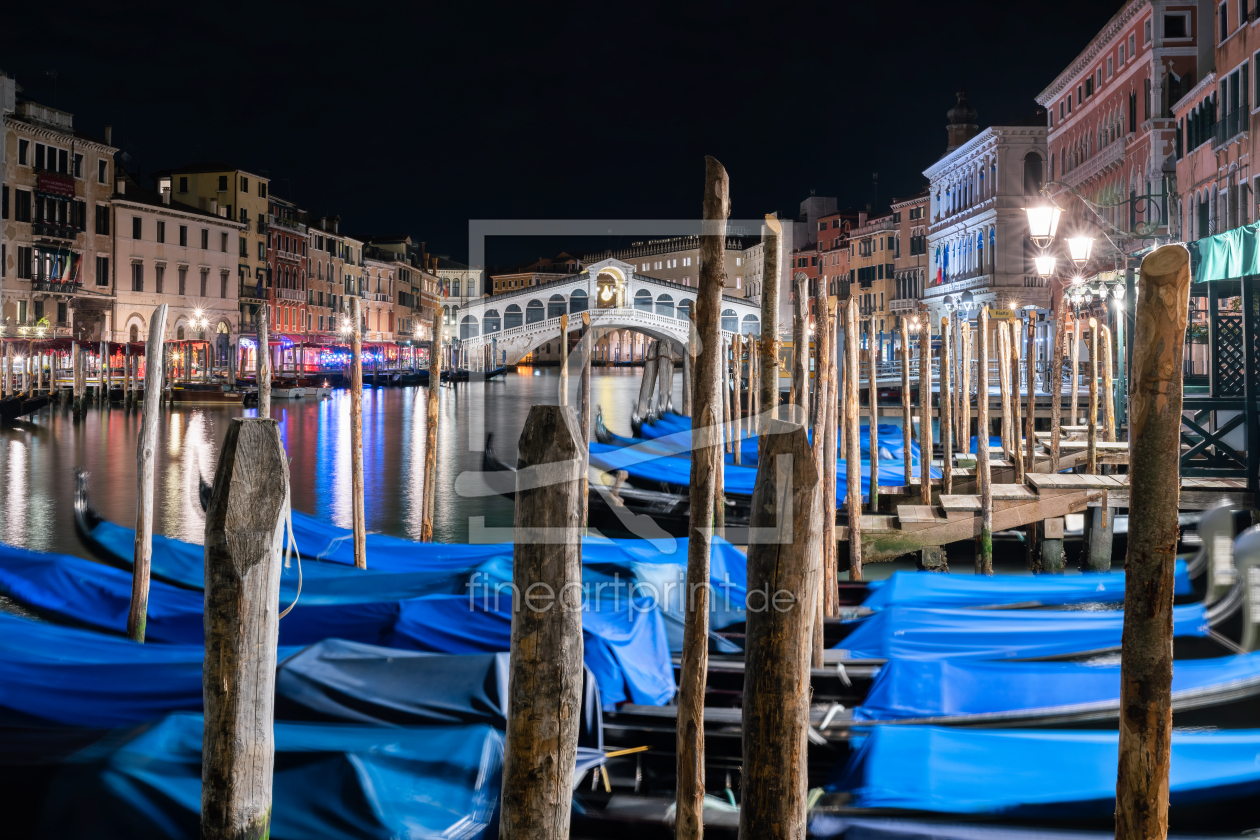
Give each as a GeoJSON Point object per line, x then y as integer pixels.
{"type": "Point", "coordinates": [1043, 221]}
{"type": "Point", "coordinates": [1079, 249]}
{"type": "Point", "coordinates": [1045, 265]}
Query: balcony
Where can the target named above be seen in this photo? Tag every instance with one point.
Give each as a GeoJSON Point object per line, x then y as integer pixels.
{"type": "Point", "coordinates": [38, 285]}
{"type": "Point", "coordinates": [1231, 125]}
{"type": "Point", "coordinates": [54, 230]}
{"type": "Point", "coordinates": [291, 294]}
{"type": "Point", "coordinates": [380, 298]}
{"type": "Point", "coordinates": [903, 305]}
{"type": "Point", "coordinates": [281, 221]}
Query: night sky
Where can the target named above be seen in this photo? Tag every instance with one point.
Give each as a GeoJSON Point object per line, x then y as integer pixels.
{"type": "Point", "coordinates": [416, 117]}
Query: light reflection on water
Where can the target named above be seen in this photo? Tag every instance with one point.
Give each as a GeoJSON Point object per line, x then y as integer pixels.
{"type": "Point", "coordinates": [41, 453]}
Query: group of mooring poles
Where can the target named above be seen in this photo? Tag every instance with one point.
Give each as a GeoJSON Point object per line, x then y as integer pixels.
{"type": "Point", "coordinates": [42, 372]}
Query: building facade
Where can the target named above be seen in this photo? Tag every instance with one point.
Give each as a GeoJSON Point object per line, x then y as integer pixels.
{"type": "Point", "coordinates": [287, 292]}
{"type": "Point", "coordinates": [677, 259]}
{"type": "Point", "coordinates": [173, 253]}
{"type": "Point", "coordinates": [910, 260]}
{"type": "Point", "coordinates": [977, 231]}
{"type": "Point", "coordinates": [55, 251]}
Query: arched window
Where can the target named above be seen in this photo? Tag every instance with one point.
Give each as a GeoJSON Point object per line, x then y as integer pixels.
{"type": "Point", "coordinates": [135, 334]}
{"type": "Point", "coordinates": [534, 311]}
{"type": "Point", "coordinates": [468, 328]}
{"type": "Point", "coordinates": [511, 317]}
{"type": "Point", "coordinates": [179, 332]}
{"type": "Point", "coordinates": [1033, 177]}
{"type": "Point", "coordinates": [643, 300]}
{"type": "Point", "coordinates": [730, 321]}
{"type": "Point", "coordinates": [491, 321]}
{"type": "Point", "coordinates": [578, 301]}
{"type": "Point", "coordinates": [751, 325]}
{"type": "Point", "coordinates": [665, 306]}
{"type": "Point", "coordinates": [684, 309]}
{"type": "Point", "coordinates": [556, 306]}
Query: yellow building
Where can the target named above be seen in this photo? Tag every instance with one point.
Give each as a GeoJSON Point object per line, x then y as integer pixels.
{"type": "Point", "coordinates": [225, 190]}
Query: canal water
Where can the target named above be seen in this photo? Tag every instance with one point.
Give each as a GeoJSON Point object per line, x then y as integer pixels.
{"type": "Point", "coordinates": [38, 457]}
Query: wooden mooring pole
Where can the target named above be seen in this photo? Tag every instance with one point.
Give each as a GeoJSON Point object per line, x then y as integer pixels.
{"type": "Point", "coordinates": [737, 399]}
{"type": "Point", "coordinates": [906, 421]}
{"type": "Point", "coordinates": [1146, 652]}
{"type": "Point", "coordinates": [1055, 382]}
{"type": "Point", "coordinates": [984, 547]}
{"type": "Point", "coordinates": [964, 392]}
{"type": "Point", "coordinates": [853, 441]}
{"type": "Point", "coordinates": [831, 594]}
{"type": "Point", "coordinates": [771, 271]}
{"type": "Point", "coordinates": [146, 445]}
{"type": "Point", "coordinates": [431, 426]}
{"type": "Point", "coordinates": [584, 409]}
{"type": "Point", "coordinates": [925, 412]}
{"type": "Point", "coordinates": [872, 430]}
{"type": "Point", "coordinates": [947, 407]}
{"type": "Point", "coordinates": [262, 362]}
{"type": "Point", "coordinates": [545, 680]}
{"type": "Point", "coordinates": [705, 492]}
{"type": "Point", "coordinates": [1017, 425]}
{"type": "Point", "coordinates": [1004, 388]}
{"type": "Point", "coordinates": [243, 543]}
{"type": "Point", "coordinates": [564, 359]}
{"type": "Point", "coordinates": [787, 501]}
{"type": "Point", "coordinates": [1076, 368]}
{"type": "Point", "coordinates": [358, 514]}
{"type": "Point", "coordinates": [1108, 385]}
{"type": "Point", "coordinates": [648, 380]}
{"type": "Point", "coordinates": [800, 347]}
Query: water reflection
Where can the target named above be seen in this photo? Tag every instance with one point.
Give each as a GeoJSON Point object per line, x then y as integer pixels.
{"type": "Point", "coordinates": [41, 454]}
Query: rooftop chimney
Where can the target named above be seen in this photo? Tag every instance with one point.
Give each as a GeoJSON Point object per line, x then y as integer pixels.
{"type": "Point", "coordinates": [120, 186]}
{"type": "Point", "coordinates": [166, 195]}
{"type": "Point", "coordinates": [962, 123]}
{"type": "Point", "coordinates": [336, 225]}
{"type": "Point", "coordinates": [109, 135]}
{"type": "Point", "coordinates": [323, 222]}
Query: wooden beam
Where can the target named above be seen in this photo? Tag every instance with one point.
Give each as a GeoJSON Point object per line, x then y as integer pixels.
{"type": "Point", "coordinates": [1055, 380]}
{"type": "Point", "coordinates": [1017, 425]}
{"type": "Point", "coordinates": [705, 492]}
{"type": "Point", "coordinates": [906, 421]}
{"type": "Point", "coordinates": [1109, 396]}
{"type": "Point", "coordinates": [800, 347]}
{"type": "Point", "coordinates": [925, 411]}
{"type": "Point", "coordinates": [262, 361]}
{"type": "Point", "coordinates": [787, 501]}
{"type": "Point", "coordinates": [431, 426]}
{"type": "Point", "coordinates": [243, 538]}
{"type": "Point", "coordinates": [545, 680]}
{"type": "Point", "coordinates": [984, 548]}
{"type": "Point", "coordinates": [853, 452]}
{"type": "Point", "coordinates": [358, 514]}
{"type": "Point", "coordinates": [947, 406]}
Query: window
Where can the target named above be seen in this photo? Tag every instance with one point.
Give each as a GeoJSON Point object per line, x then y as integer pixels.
{"type": "Point", "coordinates": [262, 190]}
{"type": "Point", "coordinates": [159, 274]}
{"type": "Point", "coordinates": [1079, 91]}
{"type": "Point", "coordinates": [39, 156]}
{"type": "Point", "coordinates": [183, 236]}
{"type": "Point", "coordinates": [24, 152]}
{"type": "Point", "coordinates": [78, 166]}
{"type": "Point", "coordinates": [4, 204]}
{"type": "Point", "coordinates": [63, 162]}
{"type": "Point", "coordinates": [205, 273]}
{"type": "Point", "coordinates": [244, 249]}
{"type": "Point", "coordinates": [262, 250]}
{"type": "Point", "coordinates": [223, 237]}
{"type": "Point", "coordinates": [1110, 68]}
{"type": "Point", "coordinates": [1220, 13]}
{"type": "Point", "coordinates": [1120, 57]}
{"type": "Point", "coordinates": [135, 227]}
{"type": "Point", "coordinates": [24, 259]}
{"type": "Point", "coordinates": [222, 183]}
{"type": "Point", "coordinates": [244, 184]}
{"type": "Point", "coordinates": [183, 279]}
{"type": "Point", "coordinates": [137, 277]}
{"type": "Point", "coordinates": [21, 206]}
{"type": "Point", "coordinates": [183, 183]}
{"type": "Point", "coordinates": [223, 284]}
{"type": "Point", "coordinates": [205, 239]}
{"type": "Point", "coordinates": [161, 237]}
{"type": "Point", "coordinates": [1146, 29]}
{"type": "Point", "coordinates": [1089, 86]}
{"type": "Point", "coordinates": [102, 173]}
{"type": "Point", "coordinates": [1177, 25]}
{"type": "Point", "coordinates": [102, 271]}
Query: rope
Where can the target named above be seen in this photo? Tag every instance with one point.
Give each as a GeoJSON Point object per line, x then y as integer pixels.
{"type": "Point", "coordinates": [288, 519]}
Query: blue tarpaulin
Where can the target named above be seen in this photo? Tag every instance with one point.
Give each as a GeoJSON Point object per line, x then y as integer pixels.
{"type": "Point", "coordinates": [919, 633]}
{"type": "Point", "coordinates": [917, 688]}
{"type": "Point", "coordinates": [79, 591]}
{"type": "Point", "coordinates": [739, 480]}
{"type": "Point", "coordinates": [930, 590]}
{"type": "Point", "coordinates": [1061, 775]}
{"type": "Point", "coordinates": [333, 781]}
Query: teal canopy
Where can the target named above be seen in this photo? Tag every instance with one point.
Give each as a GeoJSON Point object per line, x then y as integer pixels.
{"type": "Point", "coordinates": [1226, 256]}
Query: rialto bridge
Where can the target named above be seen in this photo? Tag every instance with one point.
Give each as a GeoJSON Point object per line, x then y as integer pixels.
{"type": "Point", "coordinates": [514, 323]}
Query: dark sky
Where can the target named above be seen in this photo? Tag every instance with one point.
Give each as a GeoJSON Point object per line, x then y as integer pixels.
{"type": "Point", "coordinates": [416, 117]}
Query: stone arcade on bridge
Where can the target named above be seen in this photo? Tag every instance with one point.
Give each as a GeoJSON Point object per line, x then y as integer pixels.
{"type": "Point", "coordinates": [514, 323]}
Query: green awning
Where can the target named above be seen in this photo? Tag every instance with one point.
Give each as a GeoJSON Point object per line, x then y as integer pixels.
{"type": "Point", "coordinates": [1226, 256]}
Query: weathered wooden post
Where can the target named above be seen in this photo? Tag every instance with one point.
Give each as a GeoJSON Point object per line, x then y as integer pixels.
{"type": "Point", "coordinates": [872, 430]}
{"type": "Point", "coordinates": [906, 421]}
{"type": "Point", "coordinates": [984, 550]}
{"type": "Point", "coordinates": [564, 359]}
{"type": "Point", "coordinates": [1091, 422]}
{"type": "Point", "coordinates": [947, 410]}
{"type": "Point", "coordinates": [1030, 422]}
{"type": "Point", "coordinates": [1076, 367]}
{"type": "Point", "coordinates": [1099, 529]}
{"type": "Point", "coordinates": [431, 426]}
{"type": "Point", "coordinates": [584, 409]}
{"type": "Point", "coordinates": [146, 445]}
{"type": "Point", "coordinates": [76, 357]}
{"type": "Point", "coordinates": [965, 390]}
{"type": "Point", "coordinates": [737, 399]}
{"type": "Point", "coordinates": [925, 411]}
{"type": "Point", "coordinates": [262, 361]}
{"type": "Point", "coordinates": [1109, 396]}
{"type": "Point", "coordinates": [705, 493]}
{"type": "Point", "coordinates": [686, 363]}
{"type": "Point", "coordinates": [665, 379]}
{"type": "Point", "coordinates": [1055, 382]}
{"type": "Point", "coordinates": [1146, 651]}
{"type": "Point", "coordinates": [244, 534]}
{"type": "Point", "coordinates": [648, 380]}
{"type": "Point", "coordinates": [726, 399]}
{"type": "Point", "coordinates": [831, 596]}
{"type": "Point", "coordinates": [771, 273]}
{"type": "Point", "coordinates": [1017, 424]}
{"type": "Point", "coordinates": [853, 440]}
{"type": "Point", "coordinates": [822, 368]}
{"type": "Point", "coordinates": [800, 346]}
{"type": "Point", "coordinates": [102, 392]}
{"type": "Point", "coordinates": [1004, 387]}
{"type": "Point", "coordinates": [787, 501]}
{"type": "Point", "coordinates": [545, 680]}
{"type": "Point", "coordinates": [358, 514]}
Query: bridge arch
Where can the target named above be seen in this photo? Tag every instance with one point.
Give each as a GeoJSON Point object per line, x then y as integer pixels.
{"type": "Point", "coordinates": [684, 309]}
{"type": "Point", "coordinates": [468, 328]}
{"type": "Point", "coordinates": [730, 321]}
{"type": "Point", "coordinates": [665, 305]}
{"type": "Point", "coordinates": [643, 300]}
{"type": "Point", "coordinates": [490, 322]}
{"type": "Point", "coordinates": [751, 325]}
{"type": "Point", "coordinates": [578, 301]}
{"type": "Point", "coordinates": [512, 317]}
{"type": "Point", "coordinates": [534, 311]}
{"type": "Point", "coordinates": [556, 306]}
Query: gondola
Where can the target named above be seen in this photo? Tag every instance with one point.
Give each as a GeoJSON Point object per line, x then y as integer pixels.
{"type": "Point", "coordinates": [19, 405]}
{"type": "Point", "coordinates": [215, 395]}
